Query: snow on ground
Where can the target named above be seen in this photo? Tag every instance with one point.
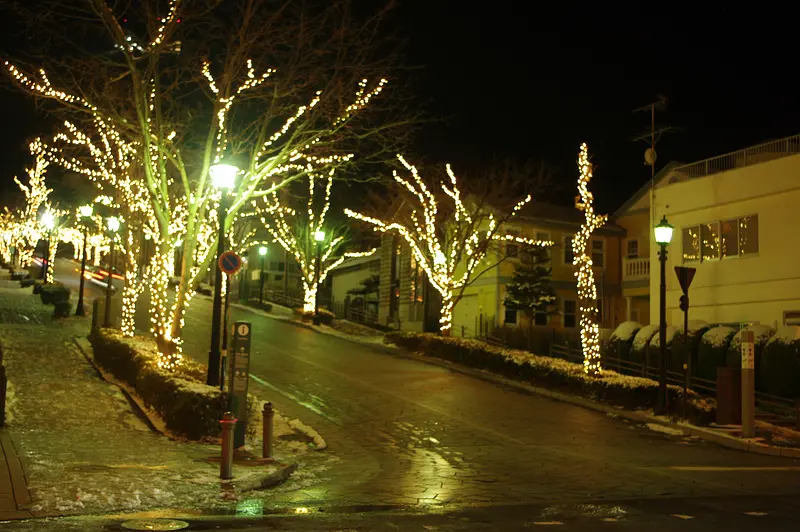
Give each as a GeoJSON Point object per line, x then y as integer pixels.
{"type": "Point", "coordinates": [663, 429]}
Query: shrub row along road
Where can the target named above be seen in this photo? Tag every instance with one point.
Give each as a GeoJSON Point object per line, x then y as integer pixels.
{"type": "Point", "coordinates": [403, 433]}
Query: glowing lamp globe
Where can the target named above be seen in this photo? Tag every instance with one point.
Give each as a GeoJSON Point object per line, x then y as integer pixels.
{"type": "Point", "coordinates": [113, 224]}
{"type": "Point", "coordinates": [223, 175]}
{"type": "Point", "coordinates": [85, 211]}
{"type": "Point", "coordinates": [663, 232]}
{"type": "Point", "coordinates": [319, 236]}
{"type": "Point", "coordinates": [262, 250]}
{"type": "Point", "coordinates": [48, 220]}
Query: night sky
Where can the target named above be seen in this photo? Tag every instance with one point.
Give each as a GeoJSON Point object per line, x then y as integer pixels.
{"type": "Point", "coordinates": [533, 83]}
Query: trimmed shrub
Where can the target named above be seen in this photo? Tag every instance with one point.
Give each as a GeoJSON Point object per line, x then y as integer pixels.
{"type": "Point", "coordinates": [621, 341]}
{"type": "Point", "coordinates": [37, 286]}
{"type": "Point", "coordinates": [686, 346]}
{"type": "Point", "coordinates": [713, 351]}
{"type": "Point", "coordinates": [62, 309]}
{"type": "Point", "coordinates": [188, 406]}
{"type": "Point", "coordinates": [641, 341]}
{"type": "Point", "coordinates": [623, 390]}
{"type": "Point", "coordinates": [780, 363]}
{"type": "Point", "coordinates": [654, 347]}
{"type": "Point", "coordinates": [25, 283]}
{"type": "Point", "coordinates": [54, 293]}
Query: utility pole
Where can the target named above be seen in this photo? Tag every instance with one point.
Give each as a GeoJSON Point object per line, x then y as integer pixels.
{"type": "Point", "coordinates": [652, 137]}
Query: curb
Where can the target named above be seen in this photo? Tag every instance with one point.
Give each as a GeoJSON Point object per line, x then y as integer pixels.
{"type": "Point", "coordinates": [254, 481]}
{"type": "Point", "coordinates": [724, 440]}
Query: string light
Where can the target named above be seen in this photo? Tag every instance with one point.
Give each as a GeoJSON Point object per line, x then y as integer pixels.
{"type": "Point", "coordinates": [444, 246]}
{"type": "Point", "coordinates": [587, 289]}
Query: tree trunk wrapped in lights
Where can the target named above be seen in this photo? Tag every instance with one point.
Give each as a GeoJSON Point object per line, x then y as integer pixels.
{"type": "Point", "coordinates": [582, 258]}
{"type": "Point", "coordinates": [451, 245]}
{"type": "Point", "coordinates": [295, 232]}
{"type": "Point", "coordinates": [151, 105]}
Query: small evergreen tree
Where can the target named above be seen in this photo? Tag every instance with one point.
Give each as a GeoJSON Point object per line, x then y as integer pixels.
{"type": "Point", "coordinates": [531, 287]}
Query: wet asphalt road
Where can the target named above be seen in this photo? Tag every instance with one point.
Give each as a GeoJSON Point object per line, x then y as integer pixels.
{"type": "Point", "coordinates": [407, 435]}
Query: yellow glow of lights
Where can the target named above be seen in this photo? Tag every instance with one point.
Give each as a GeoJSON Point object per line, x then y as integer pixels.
{"type": "Point", "coordinates": [587, 290]}
{"type": "Point", "coordinates": [441, 257]}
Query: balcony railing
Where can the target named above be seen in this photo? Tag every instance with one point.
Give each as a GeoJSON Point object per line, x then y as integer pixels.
{"type": "Point", "coordinates": [634, 269]}
{"type": "Point", "coordinates": [761, 153]}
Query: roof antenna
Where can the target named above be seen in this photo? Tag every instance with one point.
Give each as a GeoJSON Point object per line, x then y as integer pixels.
{"type": "Point", "coordinates": [652, 137]}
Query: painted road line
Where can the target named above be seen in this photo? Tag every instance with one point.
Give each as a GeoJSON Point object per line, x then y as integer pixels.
{"type": "Point", "coordinates": [727, 469]}
{"type": "Point", "coordinates": [756, 514]}
{"type": "Point", "coordinates": [296, 399]}
{"type": "Point", "coordinates": [547, 523]}
{"type": "Point", "coordinates": [682, 516]}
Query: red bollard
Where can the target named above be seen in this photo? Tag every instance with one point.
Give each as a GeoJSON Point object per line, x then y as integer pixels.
{"type": "Point", "coordinates": [266, 445]}
{"type": "Point", "coordinates": [228, 423]}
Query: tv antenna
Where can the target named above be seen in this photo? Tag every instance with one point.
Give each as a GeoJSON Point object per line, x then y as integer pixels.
{"type": "Point", "coordinates": [652, 137]}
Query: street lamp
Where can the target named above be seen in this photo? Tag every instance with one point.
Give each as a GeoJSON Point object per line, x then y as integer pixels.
{"type": "Point", "coordinates": [663, 235]}
{"type": "Point", "coordinates": [263, 252]}
{"type": "Point", "coordinates": [84, 214]}
{"type": "Point", "coordinates": [319, 237]}
{"type": "Point", "coordinates": [49, 222]}
{"type": "Point", "coordinates": [113, 227]}
{"type": "Point", "coordinates": [223, 177]}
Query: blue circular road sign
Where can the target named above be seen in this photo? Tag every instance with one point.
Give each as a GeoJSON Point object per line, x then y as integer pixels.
{"type": "Point", "coordinates": [230, 262]}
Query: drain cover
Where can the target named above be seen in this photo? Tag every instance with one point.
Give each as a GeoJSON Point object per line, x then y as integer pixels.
{"type": "Point", "coordinates": [154, 524]}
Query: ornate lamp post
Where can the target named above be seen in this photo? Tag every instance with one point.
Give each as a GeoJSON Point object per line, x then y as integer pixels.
{"type": "Point", "coordinates": [84, 214]}
{"type": "Point", "coordinates": [663, 236]}
{"type": "Point", "coordinates": [49, 222]}
{"type": "Point", "coordinates": [223, 177]}
{"type": "Point", "coordinates": [319, 237]}
{"type": "Point", "coordinates": [263, 252]}
{"type": "Point", "coordinates": [113, 226]}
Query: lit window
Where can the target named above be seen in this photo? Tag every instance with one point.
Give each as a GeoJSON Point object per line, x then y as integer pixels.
{"type": "Point", "coordinates": [729, 233]}
{"type": "Point", "coordinates": [633, 249]}
{"type": "Point", "coordinates": [709, 241]}
{"type": "Point", "coordinates": [748, 235]}
{"type": "Point", "coordinates": [691, 244]}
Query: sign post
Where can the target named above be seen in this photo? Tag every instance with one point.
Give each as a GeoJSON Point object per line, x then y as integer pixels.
{"type": "Point", "coordinates": [748, 384]}
{"type": "Point", "coordinates": [240, 375]}
{"type": "Point", "coordinates": [229, 263]}
{"type": "Point", "coordinates": [685, 276]}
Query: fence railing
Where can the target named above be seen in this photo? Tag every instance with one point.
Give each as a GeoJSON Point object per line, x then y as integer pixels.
{"type": "Point", "coordinates": [761, 153]}
{"type": "Point", "coordinates": [635, 269]}
{"type": "Point", "coordinates": [777, 410]}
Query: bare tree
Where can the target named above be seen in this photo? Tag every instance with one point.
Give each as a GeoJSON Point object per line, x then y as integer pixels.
{"type": "Point", "coordinates": [285, 89]}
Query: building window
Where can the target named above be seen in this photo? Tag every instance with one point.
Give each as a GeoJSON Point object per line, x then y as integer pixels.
{"type": "Point", "coordinates": [633, 249]}
{"type": "Point", "coordinates": [569, 255]}
{"type": "Point", "coordinates": [540, 318]}
{"type": "Point", "coordinates": [281, 266]}
{"type": "Point", "coordinates": [721, 240]}
{"type": "Point", "coordinates": [279, 278]}
{"type": "Point", "coordinates": [570, 306]}
{"type": "Point", "coordinates": [511, 317]}
{"type": "Point", "coordinates": [598, 253]}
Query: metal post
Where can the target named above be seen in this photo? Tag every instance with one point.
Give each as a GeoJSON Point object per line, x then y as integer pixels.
{"type": "Point", "coordinates": [662, 333]}
{"type": "Point", "coordinates": [261, 282]}
{"type": "Point", "coordinates": [316, 284]}
{"type": "Point", "coordinates": [224, 353]}
{"type": "Point", "coordinates": [80, 310]}
{"type": "Point", "coordinates": [107, 317]}
{"type": "Point", "coordinates": [46, 259]}
{"type": "Point", "coordinates": [748, 385]}
{"type": "Point", "coordinates": [285, 275]}
{"type": "Point", "coordinates": [268, 416]}
{"type": "Point", "coordinates": [687, 365]}
{"type": "Point", "coordinates": [228, 423]}
{"type": "Point", "coordinates": [212, 378]}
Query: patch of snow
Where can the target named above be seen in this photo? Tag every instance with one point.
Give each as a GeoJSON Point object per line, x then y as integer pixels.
{"type": "Point", "coordinates": [319, 443]}
{"type": "Point", "coordinates": [663, 429]}
{"type": "Point", "coordinates": [671, 332]}
{"type": "Point", "coordinates": [761, 334]}
{"type": "Point", "coordinates": [718, 336]}
{"type": "Point", "coordinates": [786, 335]}
{"type": "Point", "coordinates": [626, 331]}
{"type": "Point", "coordinates": [644, 336]}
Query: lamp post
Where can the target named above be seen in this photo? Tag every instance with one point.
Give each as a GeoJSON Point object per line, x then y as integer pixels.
{"type": "Point", "coordinates": [223, 177]}
{"type": "Point", "coordinates": [113, 227]}
{"type": "Point", "coordinates": [49, 222]}
{"type": "Point", "coordinates": [663, 235]}
{"type": "Point", "coordinates": [319, 237]}
{"type": "Point", "coordinates": [84, 212]}
{"type": "Point", "coordinates": [263, 252]}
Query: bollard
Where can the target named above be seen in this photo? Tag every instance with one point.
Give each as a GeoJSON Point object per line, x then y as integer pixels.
{"type": "Point", "coordinates": [748, 384]}
{"type": "Point", "coordinates": [269, 414]}
{"type": "Point", "coordinates": [228, 423]}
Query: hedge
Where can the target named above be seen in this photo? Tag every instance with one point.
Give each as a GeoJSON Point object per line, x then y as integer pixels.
{"type": "Point", "coordinates": [621, 341]}
{"type": "Point", "coordinates": [626, 391]}
{"type": "Point", "coordinates": [780, 363]}
{"type": "Point", "coordinates": [189, 407]}
{"type": "Point", "coordinates": [684, 345]}
{"type": "Point", "coordinates": [641, 343]}
{"type": "Point", "coordinates": [712, 351]}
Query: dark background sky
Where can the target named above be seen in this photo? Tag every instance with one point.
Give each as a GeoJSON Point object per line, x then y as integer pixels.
{"type": "Point", "coordinates": [534, 82]}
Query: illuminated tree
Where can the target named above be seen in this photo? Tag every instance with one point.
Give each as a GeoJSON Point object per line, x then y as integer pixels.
{"type": "Point", "coordinates": [297, 230]}
{"type": "Point", "coordinates": [199, 86]}
{"type": "Point", "coordinates": [587, 289]}
{"type": "Point", "coordinates": [449, 245]}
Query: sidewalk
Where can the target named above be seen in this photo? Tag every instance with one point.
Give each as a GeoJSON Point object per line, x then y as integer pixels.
{"type": "Point", "coordinates": [83, 447]}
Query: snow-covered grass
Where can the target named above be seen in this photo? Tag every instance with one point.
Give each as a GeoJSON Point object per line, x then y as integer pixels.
{"type": "Point", "coordinates": [664, 429]}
